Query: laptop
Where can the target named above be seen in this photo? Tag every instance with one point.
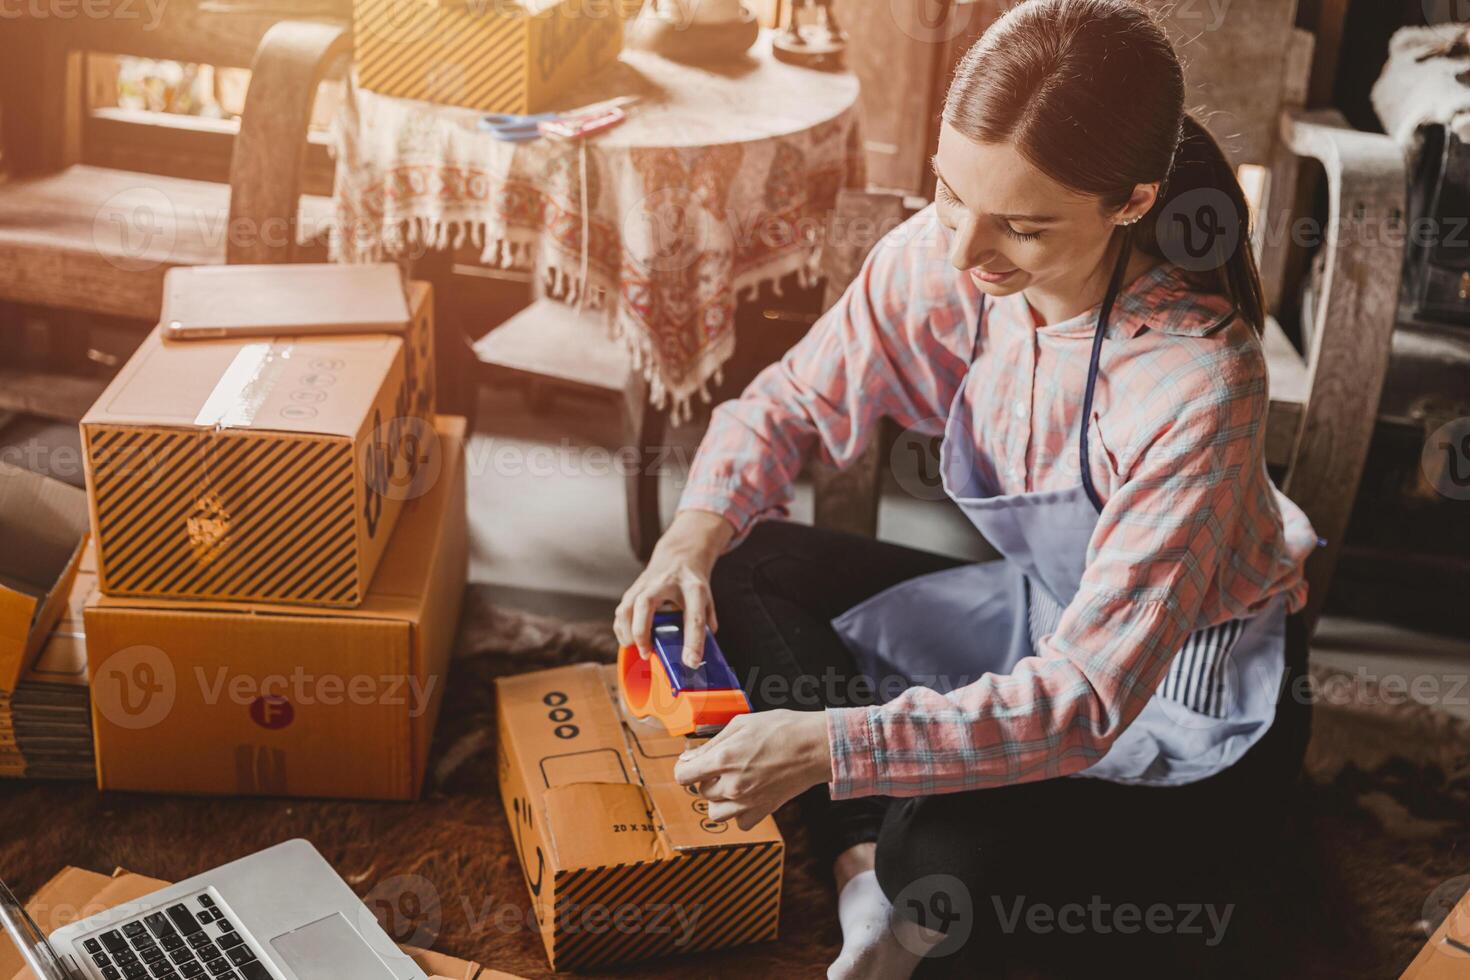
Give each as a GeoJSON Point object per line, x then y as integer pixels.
{"type": "Point", "coordinates": [279, 914]}
{"type": "Point", "coordinates": [201, 302]}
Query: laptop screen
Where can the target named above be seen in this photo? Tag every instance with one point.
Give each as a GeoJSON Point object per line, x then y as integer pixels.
{"type": "Point", "coordinates": [28, 938]}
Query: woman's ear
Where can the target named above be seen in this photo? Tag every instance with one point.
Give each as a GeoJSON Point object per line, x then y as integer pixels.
{"type": "Point", "coordinates": [1139, 203]}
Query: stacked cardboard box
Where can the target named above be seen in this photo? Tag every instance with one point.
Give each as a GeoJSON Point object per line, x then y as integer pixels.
{"type": "Point", "coordinates": [278, 517]}
{"type": "Point", "coordinates": [287, 700]}
{"type": "Point", "coordinates": [44, 729]}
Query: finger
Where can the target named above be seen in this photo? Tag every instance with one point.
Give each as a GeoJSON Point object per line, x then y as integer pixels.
{"type": "Point", "coordinates": [623, 621]}
{"type": "Point", "coordinates": [722, 787]}
{"type": "Point", "coordinates": [697, 768]}
{"type": "Point", "coordinates": [696, 599]}
{"type": "Point", "coordinates": [723, 810]}
{"type": "Point", "coordinates": [623, 631]}
{"type": "Point", "coordinates": [623, 614]}
{"type": "Point", "coordinates": [644, 606]}
{"type": "Point", "coordinates": [709, 612]}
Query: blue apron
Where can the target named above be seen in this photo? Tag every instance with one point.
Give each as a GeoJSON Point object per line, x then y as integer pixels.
{"type": "Point", "coordinates": [947, 629]}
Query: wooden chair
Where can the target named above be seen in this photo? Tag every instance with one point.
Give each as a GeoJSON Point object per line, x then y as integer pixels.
{"type": "Point", "coordinates": [98, 239]}
{"type": "Point", "coordinates": [1249, 73]}
{"type": "Point", "coordinates": [550, 344]}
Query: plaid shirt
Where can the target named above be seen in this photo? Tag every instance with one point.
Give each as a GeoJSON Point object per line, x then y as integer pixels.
{"type": "Point", "coordinates": [1192, 532]}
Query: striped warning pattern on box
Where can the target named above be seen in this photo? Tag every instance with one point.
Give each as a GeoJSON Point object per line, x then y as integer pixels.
{"type": "Point", "coordinates": [466, 57]}
{"type": "Point", "coordinates": [223, 515]}
{"type": "Point", "coordinates": [705, 899]}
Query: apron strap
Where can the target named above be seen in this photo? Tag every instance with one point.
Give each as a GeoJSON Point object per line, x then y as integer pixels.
{"type": "Point", "coordinates": [1115, 283]}
{"type": "Point", "coordinates": [979, 325]}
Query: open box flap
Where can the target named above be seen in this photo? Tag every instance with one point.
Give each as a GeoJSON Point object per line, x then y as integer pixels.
{"type": "Point", "coordinates": [602, 824]}
{"type": "Point", "coordinates": [43, 526]}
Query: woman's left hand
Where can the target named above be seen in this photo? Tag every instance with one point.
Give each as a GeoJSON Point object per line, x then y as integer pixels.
{"type": "Point", "coordinates": [758, 762]}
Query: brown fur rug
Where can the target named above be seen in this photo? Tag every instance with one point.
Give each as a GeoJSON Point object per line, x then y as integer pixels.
{"type": "Point", "coordinates": [1380, 836]}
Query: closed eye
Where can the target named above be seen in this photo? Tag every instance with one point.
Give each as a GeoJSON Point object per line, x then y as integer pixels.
{"type": "Point", "coordinates": [944, 196]}
{"type": "Point", "coordinates": [1020, 236]}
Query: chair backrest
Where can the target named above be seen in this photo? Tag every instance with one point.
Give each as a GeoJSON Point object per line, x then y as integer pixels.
{"type": "Point", "coordinates": [288, 61]}
{"type": "Point", "coordinates": [1244, 64]}
{"type": "Point", "coordinates": [1248, 71]}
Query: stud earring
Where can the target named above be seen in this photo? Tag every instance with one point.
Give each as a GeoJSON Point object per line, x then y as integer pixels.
{"type": "Point", "coordinates": [1131, 221]}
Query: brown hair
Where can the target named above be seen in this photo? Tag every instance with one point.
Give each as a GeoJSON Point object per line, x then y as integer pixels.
{"type": "Point", "coordinates": [1091, 92]}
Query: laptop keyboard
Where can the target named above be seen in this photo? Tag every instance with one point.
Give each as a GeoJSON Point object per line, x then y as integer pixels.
{"type": "Point", "coordinates": [188, 940]}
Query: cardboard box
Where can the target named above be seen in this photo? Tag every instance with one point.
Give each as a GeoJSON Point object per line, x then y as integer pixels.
{"type": "Point", "coordinates": [498, 56]}
{"type": "Point", "coordinates": [75, 893]}
{"type": "Point", "coordinates": [43, 526]}
{"type": "Point", "coordinates": [621, 861]}
{"type": "Point", "coordinates": [310, 297]}
{"type": "Point", "coordinates": [418, 351]}
{"type": "Point", "coordinates": [46, 722]}
{"type": "Point", "coordinates": [251, 470]}
{"type": "Point", "coordinates": [279, 700]}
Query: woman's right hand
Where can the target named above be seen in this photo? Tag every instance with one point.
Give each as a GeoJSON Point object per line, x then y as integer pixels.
{"type": "Point", "coordinates": [678, 572]}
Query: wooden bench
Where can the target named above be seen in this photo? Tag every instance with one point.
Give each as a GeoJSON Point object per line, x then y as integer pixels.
{"type": "Point", "coordinates": [98, 239]}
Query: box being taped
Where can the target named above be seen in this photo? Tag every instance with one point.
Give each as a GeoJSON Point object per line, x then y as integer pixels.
{"type": "Point", "coordinates": [277, 700]}
{"type": "Point", "coordinates": [76, 893]}
{"type": "Point", "coordinates": [622, 862]}
{"type": "Point", "coordinates": [268, 470]}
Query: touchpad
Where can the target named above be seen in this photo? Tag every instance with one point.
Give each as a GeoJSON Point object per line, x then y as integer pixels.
{"type": "Point", "coordinates": [329, 949]}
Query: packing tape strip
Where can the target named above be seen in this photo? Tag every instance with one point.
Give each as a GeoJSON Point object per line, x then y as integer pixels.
{"type": "Point", "coordinates": [244, 386]}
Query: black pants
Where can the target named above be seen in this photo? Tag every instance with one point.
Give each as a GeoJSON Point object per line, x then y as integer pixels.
{"type": "Point", "coordinates": [1049, 863]}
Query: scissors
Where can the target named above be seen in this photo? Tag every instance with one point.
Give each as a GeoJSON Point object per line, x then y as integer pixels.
{"type": "Point", "coordinates": [515, 128]}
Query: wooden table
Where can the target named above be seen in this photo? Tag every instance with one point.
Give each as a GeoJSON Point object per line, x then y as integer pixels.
{"type": "Point", "coordinates": [718, 182]}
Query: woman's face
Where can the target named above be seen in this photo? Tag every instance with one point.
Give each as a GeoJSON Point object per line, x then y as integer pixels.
{"type": "Point", "coordinates": [1016, 228]}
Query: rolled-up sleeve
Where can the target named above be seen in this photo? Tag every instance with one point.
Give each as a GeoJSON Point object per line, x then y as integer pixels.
{"type": "Point", "coordinates": [1160, 546]}
{"type": "Point", "coordinates": [891, 346]}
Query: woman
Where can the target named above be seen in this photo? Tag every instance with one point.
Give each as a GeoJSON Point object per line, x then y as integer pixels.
{"type": "Point", "coordinates": [1103, 411]}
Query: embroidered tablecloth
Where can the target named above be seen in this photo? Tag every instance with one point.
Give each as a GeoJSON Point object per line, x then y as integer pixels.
{"type": "Point", "coordinates": [719, 180]}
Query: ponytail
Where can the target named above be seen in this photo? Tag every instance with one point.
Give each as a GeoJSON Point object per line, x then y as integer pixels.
{"type": "Point", "coordinates": [1201, 223]}
{"type": "Point", "coordinates": [1092, 94]}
